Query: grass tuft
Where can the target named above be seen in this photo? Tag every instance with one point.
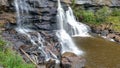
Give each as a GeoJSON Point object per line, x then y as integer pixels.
{"type": "Point", "coordinates": [10, 59]}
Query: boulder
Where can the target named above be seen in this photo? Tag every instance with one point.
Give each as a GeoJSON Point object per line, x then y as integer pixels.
{"type": "Point", "coordinates": [117, 38]}
{"type": "Point", "coordinates": [50, 64]}
{"type": "Point", "coordinates": [96, 29]}
{"type": "Point", "coordinates": [70, 60]}
{"type": "Point", "coordinates": [111, 36]}
{"type": "Point", "coordinates": [104, 32]}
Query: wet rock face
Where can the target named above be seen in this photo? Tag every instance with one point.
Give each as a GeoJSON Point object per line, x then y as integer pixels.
{"type": "Point", "coordinates": [4, 2]}
{"type": "Point", "coordinates": [43, 21]}
{"type": "Point", "coordinates": [70, 60]}
{"type": "Point", "coordinates": [6, 5]}
{"type": "Point", "coordinates": [6, 14]}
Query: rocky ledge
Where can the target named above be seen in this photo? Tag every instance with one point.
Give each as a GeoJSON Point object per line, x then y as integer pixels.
{"type": "Point", "coordinates": [106, 31]}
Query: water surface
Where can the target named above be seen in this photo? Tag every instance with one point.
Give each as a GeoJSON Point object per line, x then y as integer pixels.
{"type": "Point", "coordinates": [99, 53]}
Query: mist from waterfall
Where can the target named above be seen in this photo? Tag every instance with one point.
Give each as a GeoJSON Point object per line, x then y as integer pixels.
{"type": "Point", "coordinates": [64, 38]}
{"type": "Point", "coordinates": [22, 11]}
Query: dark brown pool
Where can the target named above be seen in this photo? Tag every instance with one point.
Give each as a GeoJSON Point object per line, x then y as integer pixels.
{"type": "Point", "coordinates": [99, 53]}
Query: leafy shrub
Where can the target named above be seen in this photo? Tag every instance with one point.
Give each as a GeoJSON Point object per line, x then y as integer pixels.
{"type": "Point", "coordinates": [115, 20]}
{"type": "Point", "coordinates": [115, 12]}
{"type": "Point", "coordinates": [102, 14]}
{"type": "Point", "coordinates": [9, 58]}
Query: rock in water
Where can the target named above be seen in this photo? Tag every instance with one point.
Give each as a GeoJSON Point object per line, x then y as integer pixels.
{"type": "Point", "coordinates": [70, 60]}
{"type": "Point", "coordinates": [50, 64]}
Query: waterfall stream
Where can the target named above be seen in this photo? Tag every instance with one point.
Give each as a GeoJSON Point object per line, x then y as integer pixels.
{"type": "Point", "coordinates": [64, 38]}
{"type": "Point", "coordinates": [22, 10]}
{"type": "Point", "coordinates": [65, 20]}
{"type": "Point", "coordinates": [77, 28]}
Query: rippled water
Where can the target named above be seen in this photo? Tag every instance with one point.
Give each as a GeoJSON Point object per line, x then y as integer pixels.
{"type": "Point", "coordinates": [100, 53]}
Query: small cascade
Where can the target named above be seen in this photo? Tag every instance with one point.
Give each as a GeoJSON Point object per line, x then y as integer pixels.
{"type": "Point", "coordinates": [67, 42]}
{"type": "Point", "coordinates": [70, 24]}
{"type": "Point", "coordinates": [64, 38]}
{"type": "Point", "coordinates": [23, 13]}
{"type": "Point", "coordinates": [76, 28]}
{"type": "Point", "coordinates": [39, 41]}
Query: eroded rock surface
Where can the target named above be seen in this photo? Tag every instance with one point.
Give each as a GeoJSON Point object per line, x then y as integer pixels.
{"type": "Point", "coordinates": [70, 60]}
{"type": "Point", "coordinates": [107, 31]}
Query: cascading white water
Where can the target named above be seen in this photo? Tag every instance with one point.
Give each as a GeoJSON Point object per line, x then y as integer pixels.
{"type": "Point", "coordinates": [64, 38]}
{"type": "Point", "coordinates": [22, 11]}
{"type": "Point", "coordinates": [76, 28]}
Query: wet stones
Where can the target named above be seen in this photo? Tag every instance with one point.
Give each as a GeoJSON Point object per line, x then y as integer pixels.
{"type": "Point", "coordinates": [106, 30]}
{"type": "Point", "coordinates": [70, 60]}
{"type": "Point", "coordinates": [51, 64]}
{"type": "Point", "coordinates": [45, 10]}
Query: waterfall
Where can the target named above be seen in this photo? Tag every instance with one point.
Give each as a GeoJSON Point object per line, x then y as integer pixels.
{"type": "Point", "coordinates": [64, 38]}
{"type": "Point", "coordinates": [65, 20]}
{"type": "Point", "coordinates": [23, 13]}
{"type": "Point", "coordinates": [77, 28]}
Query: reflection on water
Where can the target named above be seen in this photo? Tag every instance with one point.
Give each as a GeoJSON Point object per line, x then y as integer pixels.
{"type": "Point", "coordinates": [100, 53]}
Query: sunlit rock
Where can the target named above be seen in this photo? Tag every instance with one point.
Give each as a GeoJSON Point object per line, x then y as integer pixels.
{"type": "Point", "coordinates": [70, 60]}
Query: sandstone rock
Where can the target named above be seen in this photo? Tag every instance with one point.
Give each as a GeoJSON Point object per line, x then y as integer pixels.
{"type": "Point", "coordinates": [43, 26]}
{"type": "Point", "coordinates": [4, 2]}
{"type": "Point", "coordinates": [117, 33]}
{"type": "Point", "coordinates": [7, 17]}
{"type": "Point", "coordinates": [51, 64]}
{"type": "Point", "coordinates": [96, 29]}
{"type": "Point", "coordinates": [114, 36]}
{"type": "Point", "coordinates": [111, 36]}
{"type": "Point", "coordinates": [70, 60]}
{"type": "Point", "coordinates": [102, 26]}
{"type": "Point", "coordinates": [117, 38]}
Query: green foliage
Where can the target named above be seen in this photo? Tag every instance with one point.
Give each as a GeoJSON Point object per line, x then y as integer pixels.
{"type": "Point", "coordinates": [115, 12]}
{"type": "Point", "coordinates": [9, 58]}
{"type": "Point", "coordinates": [84, 15]}
{"type": "Point", "coordinates": [88, 16]}
{"type": "Point", "coordinates": [2, 44]}
{"type": "Point", "coordinates": [102, 15]}
{"type": "Point", "coordinates": [115, 20]}
{"type": "Point", "coordinates": [73, 3]}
